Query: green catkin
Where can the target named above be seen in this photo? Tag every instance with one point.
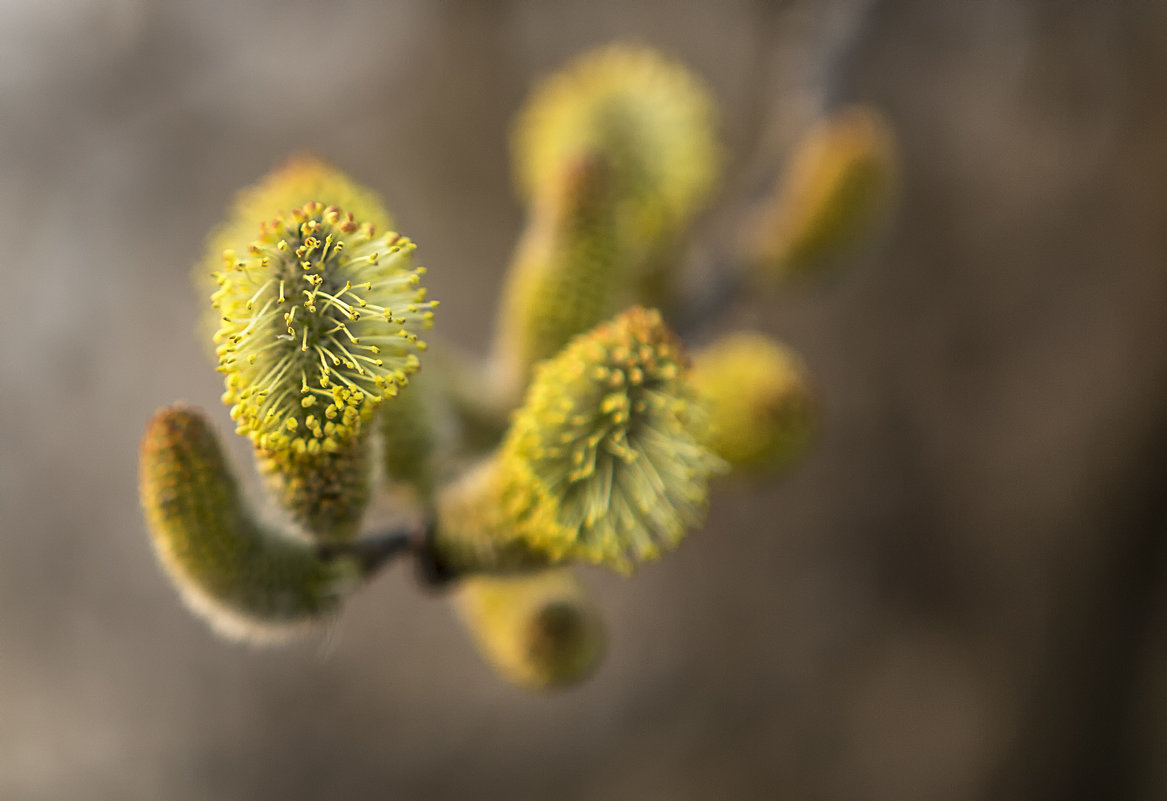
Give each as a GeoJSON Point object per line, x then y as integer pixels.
{"type": "Point", "coordinates": [477, 531]}
{"type": "Point", "coordinates": [567, 273]}
{"type": "Point", "coordinates": [248, 582]}
{"type": "Point", "coordinates": [539, 630]}
{"type": "Point", "coordinates": [760, 412]}
{"type": "Point", "coordinates": [323, 494]}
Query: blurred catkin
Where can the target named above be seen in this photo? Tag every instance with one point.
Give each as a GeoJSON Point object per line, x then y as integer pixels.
{"type": "Point", "coordinates": [248, 582]}
{"type": "Point", "coordinates": [650, 116]}
{"type": "Point", "coordinates": [654, 124]}
{"type": "Point", "coordinates": [567, 273]}
{"type": "Point", "coordinates": [760, 413]}
{"type": "Point", "coordinates": [538, 629]}
{"type": "Point", "coordinates": [834, 197]}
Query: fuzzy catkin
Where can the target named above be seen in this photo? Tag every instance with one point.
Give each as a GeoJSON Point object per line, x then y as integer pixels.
{"type": "Point", "coordinates": [601, 463]}
{"type": "Point", "coordinates": [649, 116]}
{"type": "Point", "coordinates": [760, 412]}
{"type": "Point", "coordinates": [567, 274]}
{"type": "Point", "coordinates": [248, 582]}
{"type": "Point", "coordinates": [301, 179]}
{"type": "Point", "coordinates": [539, 630]}
{"type": "Point", "coordinates": [835, 195]}
{"type": "Point", "coordinates": [320, 324]}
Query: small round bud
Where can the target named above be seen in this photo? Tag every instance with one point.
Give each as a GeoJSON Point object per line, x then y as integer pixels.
{"type": "Point", "coordinates": [539, 630]}
{"type": "Point", "coordinates": [760, 413]}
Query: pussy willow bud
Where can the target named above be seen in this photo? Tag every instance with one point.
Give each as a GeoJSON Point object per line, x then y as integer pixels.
{"type": "Point", "coordinates": [649, 117]}
{"type": "Point", "coordinates": [601, 463]}
{"type": "Point", "coordinates": [760, 411]}
{"type": "Point", "coordinates": [835, 196]}
{"type": "Point", "coordinates": [247, 582]}
{"type": "Point", "coordinates": [567, 272]}
{"type": "Point", "coordinates": [301, 180]}
{"type": "Point", "coordinates": [320, 323]}
{"type": "Point", "coordinates": [539, 630]}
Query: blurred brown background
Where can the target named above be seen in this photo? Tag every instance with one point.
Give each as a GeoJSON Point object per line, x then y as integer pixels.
{"type": "Point", "coordinates": [959, 596]}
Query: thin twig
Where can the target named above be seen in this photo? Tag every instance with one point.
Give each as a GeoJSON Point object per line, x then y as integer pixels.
{"type": "Point", "coordinates": [375, 551]}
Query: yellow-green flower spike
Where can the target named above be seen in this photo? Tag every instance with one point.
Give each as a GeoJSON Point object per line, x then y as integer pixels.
{"type": "Point", "coordinates": [539, 630]}
{"type": "Point", "coordinates": [247, 582]}
{"type": "Point", "coordinates": [760, 411]}
{"type": "Point", "coordinates": [320, 323]}
{"type": "Point", "coordinates": [601, 463]}
{"type": "Point", "coordinates": [835, 196]}
{"type": "Point", "coordinates": [303, 179]}
{"type": "Point", "coordinates": [604, 446]}
{"type": "Point", "coordinates": [567, 272]}
{"type": "Point", "coordinates": [648, 115]}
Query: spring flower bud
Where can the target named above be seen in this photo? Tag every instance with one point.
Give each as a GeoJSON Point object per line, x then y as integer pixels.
{"type": "Point", "coordinates": [760, 413]}
{"type": "Point", "coordinates": [648, 116]}
{"type": "Point", "coordinates": [247, 582]}
{"type": "Point", "coordinates": [539, 630]}
{"type": "Point", "coordinates": [835, 197]}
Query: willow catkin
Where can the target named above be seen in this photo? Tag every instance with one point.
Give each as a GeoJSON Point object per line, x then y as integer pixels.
{"type": "Point", "coordinates": [247, 581]}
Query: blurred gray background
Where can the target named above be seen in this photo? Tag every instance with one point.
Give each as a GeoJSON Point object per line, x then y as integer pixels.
{"type": "Point", "coordinates": [959, 595]}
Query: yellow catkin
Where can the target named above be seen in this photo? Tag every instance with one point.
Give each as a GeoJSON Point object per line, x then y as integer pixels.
{"type": "Point", "coordinates": [539, 630]}
{"type": "Point", "coordinates": [248, 582]}
{"type": "Point", "coordinates": [319, 324]}
{"type": "Point", "coordinates": [302, 179]}
{"type": "Point", "coordinates": [567, 274]}
{"type": "Point", "coordinates": [760, 413]}
{"type": "Point", "coordinates": [649, 115]}
{"type": "Point", "coordinates": [836, 194]}
{"type": "Point", "coordinates": [652, 121]}
{"type": "Point", "coordinates": [601, 463]}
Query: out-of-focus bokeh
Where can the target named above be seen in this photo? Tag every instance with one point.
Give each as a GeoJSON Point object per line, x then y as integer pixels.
{"type": "Point", "coordinates": [959, 595]}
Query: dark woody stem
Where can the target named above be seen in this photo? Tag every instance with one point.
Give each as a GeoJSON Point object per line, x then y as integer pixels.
{"type": "Point", "coordinates": [375, 551]}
